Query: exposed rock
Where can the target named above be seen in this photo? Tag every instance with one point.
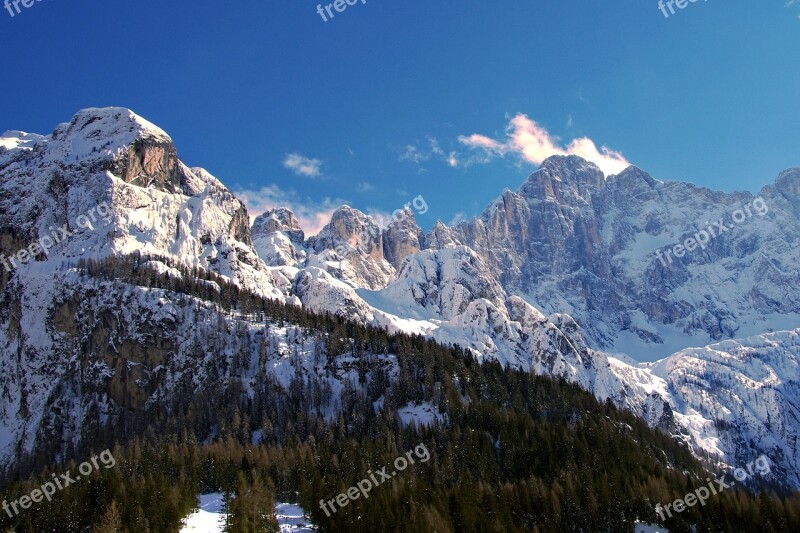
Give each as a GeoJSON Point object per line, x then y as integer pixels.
{"type": "Point", "coordinates": [403, 237]}
{"type": "Point", "coordinates": [356, 243]}
{"type": "Point", "coordinates": [281, 220]}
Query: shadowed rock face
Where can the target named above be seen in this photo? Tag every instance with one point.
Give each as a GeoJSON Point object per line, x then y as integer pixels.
{"type": "Point", "coordinates": [786, 191]}
{"type": "Point", "coordinates": [239, 227]}
{"type": "Point", "coordinates": [150, 164]}
{"type": "Point", "coordinates": [356, 239]}
{"type": "Point", "coordinates": [403, 237]}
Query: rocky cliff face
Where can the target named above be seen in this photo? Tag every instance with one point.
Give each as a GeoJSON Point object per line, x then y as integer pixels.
{"type": "Point", "coordinates": [403, 237]}
{"type": "Point", "coordinates": [354, 241]}
{"type": "Point", "coordinates": [602, 250]}
{"type": "Point", "coordinates": [279, 220]}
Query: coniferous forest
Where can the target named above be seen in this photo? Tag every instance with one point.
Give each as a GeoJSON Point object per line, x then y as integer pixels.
{"type": "Point", "coordinates": [512, 452]}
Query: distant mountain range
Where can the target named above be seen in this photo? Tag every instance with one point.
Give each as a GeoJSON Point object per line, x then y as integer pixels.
{"type": "Point", "coordinates": [570, 277]}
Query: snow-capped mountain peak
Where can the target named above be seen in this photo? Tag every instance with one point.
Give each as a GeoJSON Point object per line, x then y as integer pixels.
{"type": "Point", "coordinates": [102, 132]}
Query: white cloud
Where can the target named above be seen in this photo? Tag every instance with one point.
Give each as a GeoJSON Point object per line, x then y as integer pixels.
{"type": "Point", "coordinates": [413, 154]}
{"type": "Point", "coordinates": [533, 143]}
{"type": "Point", "coordinates": [452, 159]}
{"type": "Point", "coordinates": [431, 149]}
{"type": "Point", "coordinates": [791, 3]}
{"type": "Point", "coordinates": [312, 215]}
{"type": "Point", "coordinates": [303, 166]}
{"type": "Point", "coordinates": [365, 187]}
{"type": "Point", "coordinates": [457, 219]}
{"type": "Point", "coordinates": [418, 155]}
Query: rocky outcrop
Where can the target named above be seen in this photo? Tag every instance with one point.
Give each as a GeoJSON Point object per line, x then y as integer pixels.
{"type": "Point", "coordinates": [350, 248]}
{"type": "Point", "coordinates": [403, 237]}
{"type": "Point", "coordinates": [278, 238]}
{"type": "Point", "coordinates": [150, 164]}
{"type": "Point", "coordinates": [277, 220]}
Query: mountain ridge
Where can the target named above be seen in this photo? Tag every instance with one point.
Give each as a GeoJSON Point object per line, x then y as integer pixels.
{"type": "Point", "coordinates": [544, 282]}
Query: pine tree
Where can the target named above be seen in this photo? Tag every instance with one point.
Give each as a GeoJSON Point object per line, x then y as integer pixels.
{"type": "Point", "coordinates": [111, 521]}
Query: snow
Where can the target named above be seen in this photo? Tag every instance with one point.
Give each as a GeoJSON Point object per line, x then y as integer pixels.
{"type": "Point", "coordinates": [161, 269]}
{"type": "Point", "coordinates": [424, 414]}
{"type": "Point", "coordinates": [291, 518]}
{"type": "Point", "coordinates": [209, 518]}
{"type": "Point", "coordinates": [102, 132]}
{"type": "Point", "coordinates": [387, 302]}
{"type": "Point", "coordinates": [13, 139]}
{"type": "Point", "coordinates": [649, 528]}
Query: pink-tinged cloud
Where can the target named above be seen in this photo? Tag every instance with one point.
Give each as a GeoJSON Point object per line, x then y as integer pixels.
{"type": "Point", "coordinates": [311, 215]}
{"type": "Point", "coordinates": [533, 143]}
{"type": "Point", "coordinates": [482, 141]}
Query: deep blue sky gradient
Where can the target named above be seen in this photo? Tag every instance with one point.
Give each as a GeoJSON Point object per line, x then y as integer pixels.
{"type": "Point", "coordinates": [710, 95]}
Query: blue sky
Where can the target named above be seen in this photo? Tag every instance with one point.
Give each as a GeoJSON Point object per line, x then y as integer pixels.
{"type": "Point", "coordinates": [447, 99]}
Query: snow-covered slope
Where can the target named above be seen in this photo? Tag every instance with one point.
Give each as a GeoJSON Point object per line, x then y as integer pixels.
{"type": "Point", "coordinates": [278, 238]}
{"type": "Point", "coordinates": [210, 517]}
{"type": "Point", "coordinates": [77, 349]}
{"type": "Point", "coordinates": [740, 398]}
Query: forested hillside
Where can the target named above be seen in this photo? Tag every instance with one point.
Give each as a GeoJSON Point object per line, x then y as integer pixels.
{"type": "Point", "coordinates": [509, 451]}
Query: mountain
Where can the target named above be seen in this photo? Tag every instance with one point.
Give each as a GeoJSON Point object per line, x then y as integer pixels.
{"type": "Point", "coordinates": [353, 238]}
{"type": "Point", "coordinates": [554, 279]}
{"type": "Point", "coordinates": [114, 161]}
{"type": "Point", "coordinates": [275, 236]}
{"type": "Point", "coordinates": [601, 250]}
